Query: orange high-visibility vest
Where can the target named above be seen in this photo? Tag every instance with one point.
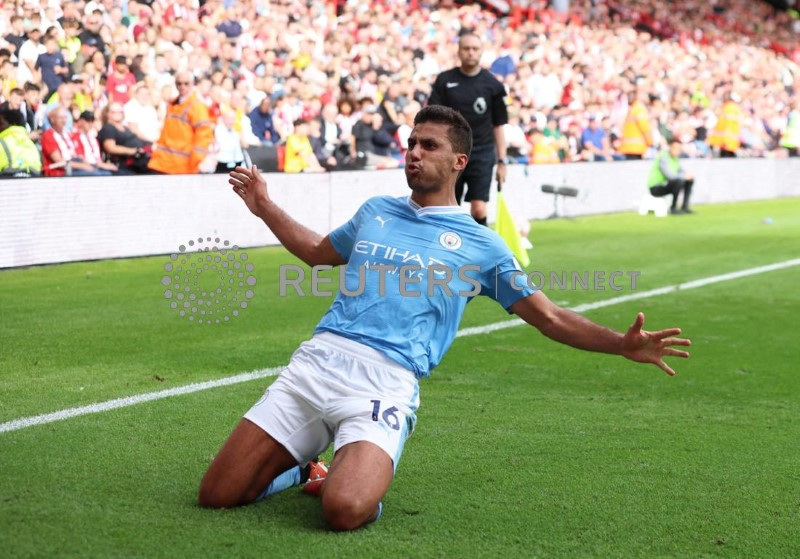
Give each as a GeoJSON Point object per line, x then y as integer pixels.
{"type": "Point", "coordinates": [185, 139]}
{"type": "Point", "coordinates": [636, 133]}
{"type": "Point", "coordinates": [729, 125]}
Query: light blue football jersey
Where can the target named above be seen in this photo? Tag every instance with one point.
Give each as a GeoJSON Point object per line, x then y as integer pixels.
{"type": "Point", "coordinates": [411, 272]}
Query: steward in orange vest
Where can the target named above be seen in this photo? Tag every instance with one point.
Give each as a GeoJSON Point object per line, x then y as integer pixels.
{"type": "Point", "coordinates": [637, 135]}
{"type": "Point", "coordinates": [187, 135]}
{"type": "Point", "coordinates": [725, 135]}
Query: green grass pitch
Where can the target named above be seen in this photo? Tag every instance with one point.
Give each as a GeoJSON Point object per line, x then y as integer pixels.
{"type": "Point", "coordinates": [524, 448]}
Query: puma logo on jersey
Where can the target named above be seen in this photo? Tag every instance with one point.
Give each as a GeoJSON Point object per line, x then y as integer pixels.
{"type": "Point", "coordinates": [382, 221]}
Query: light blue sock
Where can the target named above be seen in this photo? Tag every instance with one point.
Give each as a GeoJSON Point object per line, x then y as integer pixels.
{"type": "Point", "coordinates": [380, 511]}
{"type": "Point", "coordinates": [287, 479]}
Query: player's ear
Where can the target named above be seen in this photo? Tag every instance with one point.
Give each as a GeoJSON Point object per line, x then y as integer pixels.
{"type": "Point", "coordinates": [461, 161]}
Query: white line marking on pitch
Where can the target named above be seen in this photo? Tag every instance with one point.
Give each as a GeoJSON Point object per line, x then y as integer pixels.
{"type": "Point", "coordinates": [262, 373]}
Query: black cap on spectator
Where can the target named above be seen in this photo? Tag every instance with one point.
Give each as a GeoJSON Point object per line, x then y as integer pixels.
{"type": "Point", "coordinates": [90, 42]}
{"type": "Point", "coordinates": [88, 116]}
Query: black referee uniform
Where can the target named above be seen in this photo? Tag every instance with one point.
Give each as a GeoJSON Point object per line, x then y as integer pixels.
{"type": "Point", "coordinates": [481, 100]}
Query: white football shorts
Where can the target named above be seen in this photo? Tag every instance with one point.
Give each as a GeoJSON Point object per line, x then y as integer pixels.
{"type": "Point", "coordinates": [341, 391]}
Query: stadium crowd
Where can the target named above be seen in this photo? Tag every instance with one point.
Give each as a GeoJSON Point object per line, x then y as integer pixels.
{"type": "Point", "coordinates": [335, 84]}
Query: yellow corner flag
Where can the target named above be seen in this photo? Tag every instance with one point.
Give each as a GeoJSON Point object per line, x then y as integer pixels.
{"type": "Point", "coordinates": [506, 227]}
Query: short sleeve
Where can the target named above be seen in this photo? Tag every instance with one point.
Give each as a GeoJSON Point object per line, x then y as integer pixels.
{"type": "Point", "coordinates": [505, 281]}
{"type": "Point", "coordinates": [499, 109]}
{"type": "Point", "coordinates": [344, 237]}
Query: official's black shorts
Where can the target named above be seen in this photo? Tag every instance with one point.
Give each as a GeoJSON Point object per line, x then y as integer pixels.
{"type": "Point", "coordinates": [477, 175]}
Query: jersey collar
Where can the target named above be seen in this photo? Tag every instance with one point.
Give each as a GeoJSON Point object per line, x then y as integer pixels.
{"type": "Point", "coordinates": [434, 210]}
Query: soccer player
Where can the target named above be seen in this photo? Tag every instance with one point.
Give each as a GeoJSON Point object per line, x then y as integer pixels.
{"type": "Point", "coordinates": [412, 264]}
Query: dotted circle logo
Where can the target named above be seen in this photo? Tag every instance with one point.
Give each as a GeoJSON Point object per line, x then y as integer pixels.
{"type": "Point", "coordinates": [209, 281]}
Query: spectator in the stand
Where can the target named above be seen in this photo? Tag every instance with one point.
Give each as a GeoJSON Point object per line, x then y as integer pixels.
{"type": "Point", "coordinates": [238, 104]}
{"type": "Point", "coordinates": [726, 136]}
{"type": "Point", "coordinates": [637, 133]}
{"type": "Point", "coordinates": [120, 144]}
{"type": "Point", "coordinates": [8, 80]}
{"type": "Point", "coordinates": [141, 115]}
{"type": "Point", "coordinates": [667, 177]}
{"type": "Point", "coordinates": [59, 151]}
{"type": "Point", "coordinates": [330, 131]}
{"type": "Point", "coordinates": [231, 143]}
{"type": "Point", "coordinates": [19, 156]}
{"type": "Point", "coordinates": [407, 124]}
{"type": "Point", "coordinates": [15, 100]}
{"type": "Point", "coordinates": [262, 125]}
{"type": "Point", "coordinates": [545, 149]}
{"type": "Point", "coordinates": [84, 94]}
{"type": "Point", "coordinates": [559, 141]}
{"type": "Point", "coordinates": [28, 55]}
{"type": "Point", "coordinates": [17, 34]}
{"type": "Point", "coordinates": [33, 99]}
{"type": "Point", "coordinates": [84, 138]}
{"type": "Point", "coordinates": [325, 156]}
{"type": "Point", "coordinates": [63, 97]}
{"type": "Point", "coordinates": [230, 26]}
{"type": "Point", "coordinates": [84, 55]}
{"type": "Point", "coordinates": [517, 147]}
{"type": "Point", "coordinates": [120, 82]}
{"type": "Point", "coordinates": [594, 142]}
{"type": "Point", "coordinates": [92, 30]}
{"type": "Point", "coordinates": [69, 42]}
{"type": "Point", "coordinates": [370, 143]}
{"type": "Point", "coordinates": [388, 107]}
{"type": "Point", "coordinates": [300, 156]}
{"type": "Point", "coordinates": [346, 118]}
{"type": "Point", "coordinates": [187, 135]}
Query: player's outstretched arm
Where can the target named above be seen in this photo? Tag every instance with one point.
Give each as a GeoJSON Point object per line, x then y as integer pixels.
{"type": "Point", "coordinates": [310, 247]}
{"type": "Point", "coordinates": [570, 328]}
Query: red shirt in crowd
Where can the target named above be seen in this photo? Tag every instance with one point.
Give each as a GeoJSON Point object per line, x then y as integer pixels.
{"type": "Point", "coordinates": [119, 87]}
{"type": "Point", "coordinates": [62, 143]}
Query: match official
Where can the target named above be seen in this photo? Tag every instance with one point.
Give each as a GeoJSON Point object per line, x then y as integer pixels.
{"type": "Point", "coordinates": [480, 98]}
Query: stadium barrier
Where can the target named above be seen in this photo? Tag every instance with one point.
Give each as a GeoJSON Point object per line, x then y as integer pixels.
{"type": "Point", "coordinates": [44, 221]}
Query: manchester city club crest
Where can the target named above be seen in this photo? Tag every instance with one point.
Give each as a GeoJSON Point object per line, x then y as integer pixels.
{"type": "Point", "coordinates": [450, 240]}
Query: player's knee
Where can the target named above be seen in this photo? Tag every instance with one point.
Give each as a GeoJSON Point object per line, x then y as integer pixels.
{"type": "Point", "coordinates": [345, 513]}
{"type": "Point", "coordinates": [213, 496]}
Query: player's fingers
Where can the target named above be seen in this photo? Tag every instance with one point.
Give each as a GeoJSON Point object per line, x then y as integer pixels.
{"type": "Point", "coordinates": [238, 177]}
{"type": "Point", "coordinates": [666, 368]}
{"type": "Point", "coordinates": [675, 352]}
{"type": "Point", "coordinates": [638, 323]}
{"type": "Point", "coordinates": [677, 341]}
{"type": "Point", "coordinates": [661, 334]}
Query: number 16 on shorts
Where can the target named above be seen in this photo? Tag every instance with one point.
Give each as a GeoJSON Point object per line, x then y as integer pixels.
{"type": "Point", "coordinates": [389, 415]}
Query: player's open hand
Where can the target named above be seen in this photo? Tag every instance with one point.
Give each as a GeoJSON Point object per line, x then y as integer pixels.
{"type": "Point", "coordinates": [651, 347]}
{"type": "Point", "coordinates": [250, 186]}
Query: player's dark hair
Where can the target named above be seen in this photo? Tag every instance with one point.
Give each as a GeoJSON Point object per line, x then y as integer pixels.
{"type": "Point", "coordinates": [459, 132]}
